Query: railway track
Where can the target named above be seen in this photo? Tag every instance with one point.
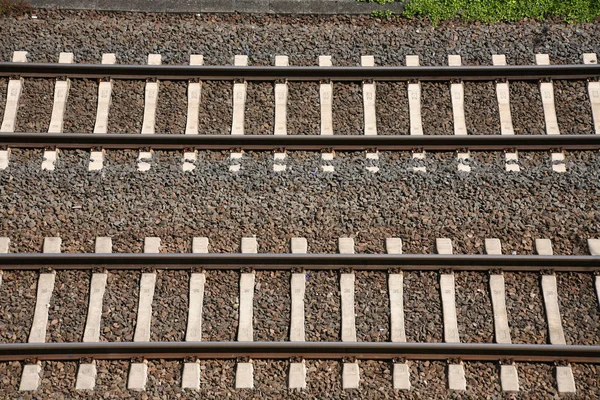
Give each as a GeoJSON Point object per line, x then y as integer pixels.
{"type": "Point", "coordinates": [392, 347]}
{"type": "Point", "coordinates": [278, 141]}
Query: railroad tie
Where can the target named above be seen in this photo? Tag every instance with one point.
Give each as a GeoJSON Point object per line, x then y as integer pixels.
{"type": "Point", "coordinates": [594, 92]}
{"type": "Point", "coordinates": [281, 99]}
{"type": "Point", "coordinates": [594, 246]}
{"type": "Point", "coordinates": [350, 373]}
{"type": "Point", "coordinates": [414, 110]}
{"type": "Point", "coordinates": [457, 93]}
{"type": "Point", "coordinates": [4, 245]}
{"type": "Point", "coordinates": [401, 373]}
{"type": "Point", "coordinates": [138, 372]}
{"type": "Point", "coordinates": [101, 125]}
{"type": "Point", "coordinates": [86, 375]}
{"type": "Point", "coordinates": [547, 94]}
{"type": "Point", "coordinates": [191, 125]}
{"type": "Point", "coordinates": [326, 101]}
{"type": "Point", "coordinates": [370, 116]}
{"type": "Point", "coordinates": [456, 371]}
{"type": "Point", "coordinates": [297, 374]}
{"type": "Point", "coordinates": [149, 121]}
{"type": "Point", "coordinates": [61, 93]}
{"type": "Point", "coordinates": [239, 106]}
{"type": "Point", "coordinates": [509, 379]}
{"type": "Point", "coordinates": [13, 94]}
{"type": "Point", "coordinates": [31, 377]}
{"type": "Point", "coordinates": [506, 126]}
{"type": "Point", "coordinates": [244, 376]}
{"type": "Point", "coordinates": [564, 375]}
{"type": "Point", "coordinates": [190, 378]}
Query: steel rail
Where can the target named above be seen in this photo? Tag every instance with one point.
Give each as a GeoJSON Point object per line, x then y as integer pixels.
{"type": "Point", "coordinates": [297, 73]}
{"type": "Point", "coordinates": [263, 261]}
{"type": "Point", "coordinates": [300, 142]}
{"type": "Point", "coordinates": [309, 350]}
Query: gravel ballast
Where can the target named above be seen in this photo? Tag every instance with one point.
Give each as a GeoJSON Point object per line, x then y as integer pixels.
{"type": "Point", "coordinates": [68, 305]}
{"type": "Point", "coordinates": [80, 112]}
{"type": "Point", "coordinates": [17, 296]}
{"type": "Point", "coordinates": [35, 106]}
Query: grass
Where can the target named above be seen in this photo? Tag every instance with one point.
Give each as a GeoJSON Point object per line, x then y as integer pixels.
{"type": "Point", "coordinates": [14, 7]}
{"type": "Point", "coordinates": [490, 11]}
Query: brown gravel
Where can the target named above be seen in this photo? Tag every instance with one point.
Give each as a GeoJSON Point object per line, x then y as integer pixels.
{"type": "Point", "coordinates": [573, 109]}
{"type": "Point", "coordinates": [119, 308]}
{"type": "Point", "coordinates": [35, 106]}
{"type": "Point", "coordinates": [372, 306]}
{"type": "Point", "coordinates": [474, 307]}
{"type": "Point", "coordinates": [391, 108]}
{"type": "Point", "coordinates": [537, 380]}
{"type": "Point", "coordinates": [422, 307]}
{"type": "Point", "coordinates": [127, 109]}
{"type": "Point", "coordinates": [322, 306]}
{"type": "Point", "coordinates": [80, 112]}
{"type": "Point", "coordinates": [171, 109]}
{"type": "Point", "coordinates": [481, 108]}
{"type": "Point", "coordinates": [17, 296]}
{"type": "Point", "coordinates": [216, 104]}
{"type": "Point", "coordinates": [69, 301]}
{"type": "Point", "coordinates": [348, 117]}
{"type": "Point", "coordinates": [260, 109]}
{"type": "Point", "coordinates": [3, 93]}
{"type": "Point", "coordinates": [525, 308]}
{"type": "Point", "coordinates": [272, 306]}
{"type": "Point", "coordinates": [220, 310]}
{"type": "Point", "coordinates": [169, 306]}
{"type": "Point", "coordinates": [164, 379]}
{"type": "Point", "coordinates": [587, 380]}
{"type": "Point", "coordinates": [526, 108]}
{"type": "Point", "coordinates": [270, 378]}
{"type": "Point", "coordinates": [10, 376]}
{"type": "Point", "coordinates": [579, 308]}
{"type": "Point", "coordinates": [303, 109]}
{"type": "Point", "coordinates": [436, 109]}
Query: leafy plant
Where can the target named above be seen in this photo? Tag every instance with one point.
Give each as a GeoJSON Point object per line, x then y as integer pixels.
{"type": "Point", "coordinates": [382, 13]}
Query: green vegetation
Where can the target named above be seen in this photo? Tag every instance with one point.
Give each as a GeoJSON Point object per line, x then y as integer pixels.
{"type": "Point", "coordinates": [380, 2]}
{"type": "Point", "coordinates": [503, 10]}
{"type": "Point", "coordinates": [382, 13]}
{"type": "Point", "coordinates": [14, 7]}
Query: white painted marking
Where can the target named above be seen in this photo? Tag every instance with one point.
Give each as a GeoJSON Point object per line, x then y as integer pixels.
{"type": "Point", "coordinates": [511, 162]}
{"type": "Point", "coordinates": [414, 100]}
{"type": "Point", "coordinates": [594, 92]}
{"type": "Point", "coordinates": [449, 308]}
{"type": "Point", "coordinates": [61, 92]}
{"type": "Point", "coordinates": [138, 376]}
{"type": "Point", "coordinates": [547, 93]}
{"type": "Point", "coordinates": [86, 376]}
{"type": "Point", "coordinates": [456, 377]}
{"type": "Point", "coordinates": [565, 380]}
{"type": "Point", "coordinates": [13, 95]}
{"type": "Point", "coordinates": [350, 376]}
{"type": "Point", "coordinates": [463, 162]}
{"type": "Point", "coordinates": [31, 377]}
{"type": "Point", "coordinates": [550, 293]}
{"type": "Point", "coordinates": [543, 247]}
{"type": "Point", "coordinates": [189, 161]}
{"type": "Point", "coordinates": [401, 376]}
{"type": "Point", "coordinates": [194, 94]}
{"type": "Point", "coordinates": [104, 98]}
{"type": "Point", "coordinates": [190, 378]}
{"type": "Point", "coordinates": [326, 98]}
{"type": "Point", "coordinates": [244, 376]}
{"type": "Point", "coordinates": [281, 99]}
{"type": "Point", "coordinates": [457, 91]}
{"type": "Point", "coordinates": [239, 99]}
{"type": "Point", "coordinates": [96, 160]}
{"type": "Point", "coordinates": [370, 123]}
{"type": "Point", "coordinates": [297, 379]}
{"type": "Point", "coordinates": [279, 159]}
{"type": "Point", "coordinates": [509, 379]}
{"type": "Point", "coordinates": [245, 330]}
{"type": "Point", "coordinates": [503, 95]}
